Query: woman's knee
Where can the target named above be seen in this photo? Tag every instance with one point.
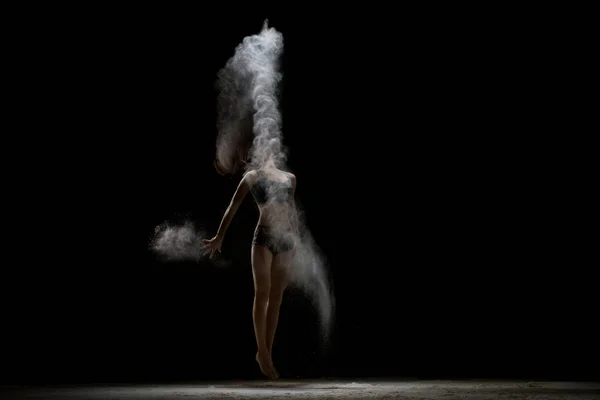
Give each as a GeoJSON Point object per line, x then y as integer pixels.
{"type": "Point", "coordinates": [262, 294]}
{"type": "Point", "coordinates": [276, 292]}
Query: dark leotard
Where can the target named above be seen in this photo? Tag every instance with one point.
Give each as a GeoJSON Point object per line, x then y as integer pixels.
{"type": "Point", "coordinates": [278, 242]}
{"type": "Point", "coordinates": [263, 190]}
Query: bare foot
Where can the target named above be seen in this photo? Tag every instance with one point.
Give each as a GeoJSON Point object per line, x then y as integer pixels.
{"type": "Point", "coordinates": [274, 370]}
{"type": "Point", "coordinates": [264, 364]}
{"type": "Point", "coordinates": [273, 366]}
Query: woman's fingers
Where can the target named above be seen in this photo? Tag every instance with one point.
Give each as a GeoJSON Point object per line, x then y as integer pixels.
{"type": "Point", "coordinates": [209, 248]}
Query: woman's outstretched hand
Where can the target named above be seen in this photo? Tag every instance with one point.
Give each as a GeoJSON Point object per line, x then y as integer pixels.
{"type": "Point", "coordinates": [211, 246]}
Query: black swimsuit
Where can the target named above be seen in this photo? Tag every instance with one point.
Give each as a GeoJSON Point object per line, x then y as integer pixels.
{"type": "Point", "coordinates": [268, 190]}
{"type": "Point", "coordinates": [265, 189]}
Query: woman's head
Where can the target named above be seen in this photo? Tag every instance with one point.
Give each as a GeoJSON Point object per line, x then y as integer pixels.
{"type": "Point", "coordinates": [267, 149]}
{"type": "Point", "coordinates": [266, 156]}
{"type": "Point", "coordinates": [239, 148]}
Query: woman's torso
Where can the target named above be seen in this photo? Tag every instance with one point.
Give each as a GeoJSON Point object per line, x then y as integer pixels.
{"type": "Point", "coordinates": [273, 192]}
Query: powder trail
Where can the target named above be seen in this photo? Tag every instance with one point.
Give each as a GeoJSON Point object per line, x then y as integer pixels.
{"type": "Point", "coordinates": [248, 97]}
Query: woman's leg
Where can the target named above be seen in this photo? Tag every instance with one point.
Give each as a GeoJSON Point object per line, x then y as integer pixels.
{"type": "Point", "coordinates": [261, 270]}
{"type": "Point", "coordinates": [279, 281]}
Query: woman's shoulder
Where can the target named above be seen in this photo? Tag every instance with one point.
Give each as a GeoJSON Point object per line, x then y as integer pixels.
{"type": "Point", "coordinates": [292, 178]}
{"type": "Point", "coordinates": [250, 176]}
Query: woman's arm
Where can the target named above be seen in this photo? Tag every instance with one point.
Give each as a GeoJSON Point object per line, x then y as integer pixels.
{"type": "Point", "coordinates": [236, 200]}
{"type": "Point", "coordinates": [294, 212]}
{"type": "Point", "coordinates": [211, 246]}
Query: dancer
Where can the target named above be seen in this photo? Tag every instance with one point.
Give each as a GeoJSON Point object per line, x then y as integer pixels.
{"type": "Point", "coordinates": [275, 238]}
{"type": "Point", "coordinates": [250, 139]}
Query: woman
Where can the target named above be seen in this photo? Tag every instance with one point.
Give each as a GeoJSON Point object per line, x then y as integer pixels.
{"type": "Point", "coordinates": [272, 247]}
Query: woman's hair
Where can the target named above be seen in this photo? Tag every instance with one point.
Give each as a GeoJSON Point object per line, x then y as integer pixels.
{"type": "Point", "coordinates": [235, 117]}
{"type": "Point", "coordinates": [233, 150]}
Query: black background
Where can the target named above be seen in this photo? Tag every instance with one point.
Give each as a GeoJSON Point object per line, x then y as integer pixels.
{"type": "Point", "coordinates": [428, 169]}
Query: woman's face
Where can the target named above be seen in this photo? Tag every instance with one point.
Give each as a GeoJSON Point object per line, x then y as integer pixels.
{"type": "Point", "coordinates": [269, 162]}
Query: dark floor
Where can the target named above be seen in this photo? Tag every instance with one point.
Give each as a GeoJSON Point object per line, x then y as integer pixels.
{"type": "Point", "coordinates": [331, 389]}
